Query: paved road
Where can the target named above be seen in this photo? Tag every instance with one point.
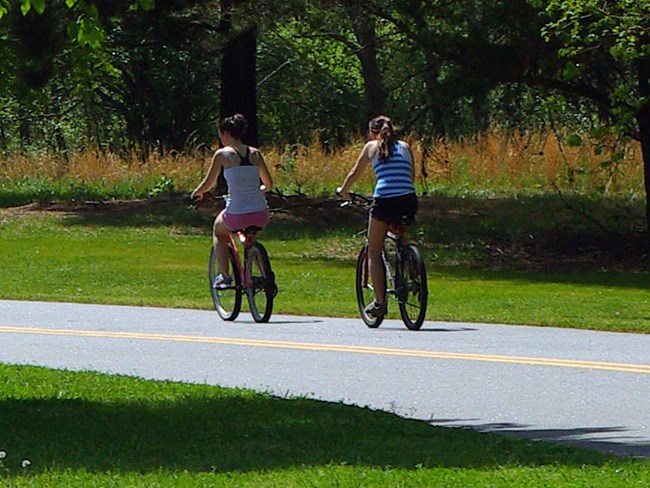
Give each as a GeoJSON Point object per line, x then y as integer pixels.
{"type": "Point", "coordinates": [581, 387]}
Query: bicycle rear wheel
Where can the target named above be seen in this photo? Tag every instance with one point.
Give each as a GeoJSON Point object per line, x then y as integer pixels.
{"type": "Point", "coordinates": [227, 300]}
{"type": "Point", "coordinates": [413, 300]}
{"type": "Point", "coordinates": [261, 288]}
{"type": "Point", "coordinates": [365, 290]}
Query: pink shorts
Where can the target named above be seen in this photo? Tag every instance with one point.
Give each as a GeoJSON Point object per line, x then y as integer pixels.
{"type": "Point", "coordinates": [236, 222]}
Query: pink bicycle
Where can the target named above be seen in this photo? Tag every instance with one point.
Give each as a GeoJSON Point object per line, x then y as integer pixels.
{"type": "Point", "coordinates": [252, 275]}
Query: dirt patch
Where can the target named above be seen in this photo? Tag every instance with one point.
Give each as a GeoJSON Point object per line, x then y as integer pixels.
{"type": "Point", "coordinates": [90, 207]}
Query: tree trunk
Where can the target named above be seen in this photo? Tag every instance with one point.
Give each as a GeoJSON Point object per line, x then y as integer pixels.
{"type": "Point", "coordinates": [434, 95]}
{"type": "Point", "coordinates": [238, 81]}
{"type": "Point", "coordinates": [364, 31]}
{"type": "Point", "coordinates": [643, 119]}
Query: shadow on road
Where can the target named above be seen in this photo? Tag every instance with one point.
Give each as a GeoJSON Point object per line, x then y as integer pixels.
{"type": "Point", "coordinates": [425, 328]}
{"type": "Point", "coordinates": [604, 439]}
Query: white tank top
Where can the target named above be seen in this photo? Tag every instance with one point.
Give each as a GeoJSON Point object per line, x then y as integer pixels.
{"type": "Point", "coordinates": [244, 194]}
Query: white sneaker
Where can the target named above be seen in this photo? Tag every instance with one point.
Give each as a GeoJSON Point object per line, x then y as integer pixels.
{"type": "Point", "coordinates": [375, 309]}
{"type": "Point", "coordinates": [222, 281]}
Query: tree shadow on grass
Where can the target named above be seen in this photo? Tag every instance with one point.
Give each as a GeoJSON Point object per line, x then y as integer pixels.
{"type": "Point", "coordinates": [572, 239]}
{"type": "Point", "coordinates": [292, 218]}
{"type": "Point", "coordinates": [533, 232]}
{"type": "Point", "coordinates": [604, 278]}
{"type": "Point", "coordinates": [219, 432]}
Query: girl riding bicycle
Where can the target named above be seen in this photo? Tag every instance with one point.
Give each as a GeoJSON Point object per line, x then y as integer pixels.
{"type": "Point", "coordinates": [394, 199]}
{"type": "Point", "coordinates": [243, 167]}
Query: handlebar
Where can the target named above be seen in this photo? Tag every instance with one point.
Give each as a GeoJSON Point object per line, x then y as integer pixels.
{"type": "Point", "coordinates": [356, 200]}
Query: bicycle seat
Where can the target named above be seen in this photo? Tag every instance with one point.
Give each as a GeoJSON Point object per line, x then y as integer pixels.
{"type": "Point", "coordinates": [401, 221]}
{"type": "Point", "coordinates": [251, 229]}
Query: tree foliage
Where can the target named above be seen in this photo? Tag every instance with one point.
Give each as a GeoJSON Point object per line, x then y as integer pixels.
{"type": "Point", "coordinates": [147, 73]}
{"type": "Point", "coordinates": [605, 50]}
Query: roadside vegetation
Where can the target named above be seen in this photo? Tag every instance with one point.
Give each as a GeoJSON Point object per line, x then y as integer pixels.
{"type": "Point", "coordinates": [494, 163]}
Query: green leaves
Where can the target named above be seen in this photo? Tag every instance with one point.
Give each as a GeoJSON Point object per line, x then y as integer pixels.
{"type": "Point", "coordinates": [574, 140]}
{"type": "Point", "coordinates": [87, 30]}
{"type": "Point", "coordinates": [37, 5]}
{"type": "Point", "coordinates": [145, 5]}
{"type": "Point", "coordinates": [622, 25]}
{"type": "Point", "coordinates": [571, 71]}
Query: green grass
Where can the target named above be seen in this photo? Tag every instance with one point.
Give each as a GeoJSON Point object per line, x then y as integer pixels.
{"type": "Point", "coordinates": [158, 256]}
{"type": "Point", "coordinates": [87, 429]}
{"type": "Point", "coordinates": [44, 190]}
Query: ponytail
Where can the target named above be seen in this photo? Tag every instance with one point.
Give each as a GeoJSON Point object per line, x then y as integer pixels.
{"type": "Point", "coordinates": [386, 136]}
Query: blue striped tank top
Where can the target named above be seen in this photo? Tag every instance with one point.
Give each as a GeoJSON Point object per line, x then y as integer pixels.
{"type": "Point", "coordinates": [394, 174]}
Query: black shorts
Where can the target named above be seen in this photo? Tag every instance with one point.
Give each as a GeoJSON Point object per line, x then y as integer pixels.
{"type": "Point", "coordinates": [395, 210]}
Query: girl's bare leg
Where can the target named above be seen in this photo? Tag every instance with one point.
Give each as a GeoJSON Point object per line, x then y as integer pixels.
{"type": "Point", "coordinates": [376, 235]}
{"type": "Point", "coordinates": [220, 243]}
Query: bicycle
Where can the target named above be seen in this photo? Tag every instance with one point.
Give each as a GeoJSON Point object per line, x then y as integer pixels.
{"type": "Point", "coordinates": [252, 275]}
{"type": "Point", "coordinates": [405, 277]}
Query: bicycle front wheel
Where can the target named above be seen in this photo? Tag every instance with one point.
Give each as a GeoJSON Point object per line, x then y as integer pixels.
{"type": "Point", "coordinates": [227, 300]}
{"type": "Point", "coordinates": [413, 299]}
{"type": "Point", "coordinates": [260, 286]}
{"type": "Point", "coordinates": [365, 290]}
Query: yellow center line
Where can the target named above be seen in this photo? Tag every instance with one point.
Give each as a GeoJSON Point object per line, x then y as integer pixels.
{"type": "Point", "coordinates": [308, 346]}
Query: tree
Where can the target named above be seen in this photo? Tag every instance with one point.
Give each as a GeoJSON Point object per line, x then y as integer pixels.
{"type": "Point", "coordinates": [167, 54]}
{"type": "Point", "coordinates": [238, 72]}
{"type": "Point", "coordinates": [167, 92]}
{"type": "Point", "coordinates": [364, 31]}
{"type": "Point", "coordinates": [606, 51]}
{"type": "Point", "coordinates": [458, 53]}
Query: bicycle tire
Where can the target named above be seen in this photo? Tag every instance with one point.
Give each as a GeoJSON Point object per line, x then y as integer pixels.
{"type": "Point", "coordinates": [261, 289]}
{"type": "Point", "coordinates": [413, 300]}
{"type": "Point", "coordinates": [365, 290]}
{"type": "Point", "coordinates": [227, 301]}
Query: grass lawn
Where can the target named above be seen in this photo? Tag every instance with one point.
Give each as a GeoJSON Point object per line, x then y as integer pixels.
{"type": "Point", "coordinates": [158, 256]}
{"type": "Point", "coordinates": [85, 429]}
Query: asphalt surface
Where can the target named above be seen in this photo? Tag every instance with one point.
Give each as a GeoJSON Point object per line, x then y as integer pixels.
{"type": "Point", "coordinates": [561, 385]}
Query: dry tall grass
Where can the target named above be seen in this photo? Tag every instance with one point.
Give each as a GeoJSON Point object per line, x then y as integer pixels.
{"type": "Point", "coordinates": [92, 166]}
{"type": "Point", "coordinates": [533, 162]}
{"type": "Point", "coordinates": [492, 162]}
{"type": "Point", "coordinates": [495, 161]}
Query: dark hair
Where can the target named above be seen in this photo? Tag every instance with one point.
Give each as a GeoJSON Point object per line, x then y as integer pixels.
{"type": "Point", "coordinates": [386, 138]}
{"type": "Point", "coordinates": [234, 125]}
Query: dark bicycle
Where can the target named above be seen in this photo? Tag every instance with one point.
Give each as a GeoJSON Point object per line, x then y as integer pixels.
{"type": "Point", "coordinates": [405, 275]}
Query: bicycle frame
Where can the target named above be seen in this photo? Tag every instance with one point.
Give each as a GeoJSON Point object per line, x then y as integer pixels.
{"type": "Point", "coordinates": [404, 277]}
{"type": "Point", "coordinates": [396, 234]}
{"type": "Point", "coordinates": [248, 239]}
